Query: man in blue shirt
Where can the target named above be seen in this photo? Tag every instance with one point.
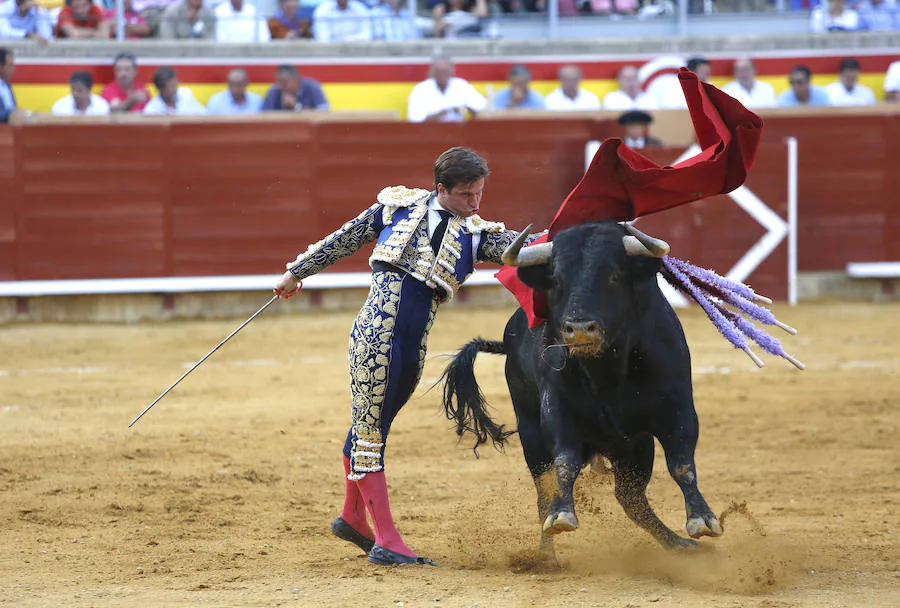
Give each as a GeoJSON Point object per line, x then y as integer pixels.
{"type": "Point", "coordinates": [878, 15]}
{"type": "Point", "coordinates": [518, 96]}
{"type": "Point", "coordinates": [23, 19]}
{"type": "Point", "coordinates": [7, 99]}
{"type": "Point", "coordinates": [236, 99]}
{"type": "Point", "coordinates": [290, 92]}
{"type": "Point", "coordinates": [802, 92]}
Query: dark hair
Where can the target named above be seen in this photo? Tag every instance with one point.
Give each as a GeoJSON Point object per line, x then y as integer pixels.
{"type": "Point", "coordinates": [4, 53]}
{"type": "Point", "coordinates": [519, 70]}
{"type": "Point", "coordinates": [695, 62]}
{"type": "Point", "coordinates": [459, 166]}
{"type": "Point", "coordinates": [801, 69]}
{"type": "Point", "coordinates": [82, 77]}
{"type": "Point", "coordinates": [125, 57]}
{"type": "Point", "coordinates": [288, 70]}
{"type": "Point", "coordinates": [163, 75]}
{"type": "Point", "coordinates": [849, 64]}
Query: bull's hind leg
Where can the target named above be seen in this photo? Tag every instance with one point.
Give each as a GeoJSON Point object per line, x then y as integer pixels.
{"type": "Point", "coordinates": [679, 448]}
{"type": "Point", "coordinates": [632, 470]}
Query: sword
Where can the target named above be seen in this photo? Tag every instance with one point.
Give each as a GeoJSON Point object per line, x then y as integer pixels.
{"type": "Point", "coordinates": [197, 364]}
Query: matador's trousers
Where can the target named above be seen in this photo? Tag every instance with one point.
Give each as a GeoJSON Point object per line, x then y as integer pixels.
{"type": "Point", "coordinates": [387, 353]}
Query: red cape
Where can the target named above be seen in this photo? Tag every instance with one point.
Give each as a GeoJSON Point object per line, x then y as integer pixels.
{"type": "Point", "coordinates": [622, 185]}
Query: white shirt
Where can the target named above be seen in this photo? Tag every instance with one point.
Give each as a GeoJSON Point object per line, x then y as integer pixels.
{"type": "Point", "coordinates": [240, 26]}
{"type": "Point", "coordinates": [66, 107]}
{"type": "Point", "coordinates": [427, 99]}
{"type": "Point", "coordinates": [762, 95]}
{"type": "Point", "coordinates": [859, 95]}
{"type": "Point", "coordinates": [331, 24]}
{"type": "Point", "coordinates": [667, 92]}
{"type": "Point", "coordinates": [585, 100]}
{"type": "Point", "coordinates": [619, 100]}
{"type": "Point", "coordinates": [434, 218]}
{"type": "Point", "coordinates": [185, 104]}
{"type": "Point", "coordinates": [892, 78]}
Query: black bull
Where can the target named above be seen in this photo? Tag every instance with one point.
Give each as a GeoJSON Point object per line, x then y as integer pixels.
{"type": "Point", "coordinates": [607, 372]}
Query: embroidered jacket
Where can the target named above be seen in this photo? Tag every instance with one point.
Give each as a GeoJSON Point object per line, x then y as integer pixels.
{"type": "Point", "coordinates": [399, 222]}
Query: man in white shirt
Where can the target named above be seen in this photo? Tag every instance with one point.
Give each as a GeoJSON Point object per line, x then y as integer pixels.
{"type": "Point", "coordinates": [237, 21]}
{"type": "Point", "coordinates": [892, 83]}
{"type": "Point", "coordinates": [751, 92]}
{"type": "Point", "coordinates": [629, 95]}
{"type": "Point", "coordinates": [570, 96]}
{"type": "Point", "coordinates": [342, 21]}
{"type": "Point", "coordinates": [81, 102]}
{"type": "Point", "coordinates": [172, 99]}
{"type": "Point", "coordinates": [443, 97]}
{"type": "Point", "coordinates": [846, 90]}
{"type": "Point", "coordinates": [236, 99]}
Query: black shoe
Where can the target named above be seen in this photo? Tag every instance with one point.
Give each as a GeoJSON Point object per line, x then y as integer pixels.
{"type": "Point", "coordinates": [385, 557]}
{"type": "Point", "coordinates": [345, 531]}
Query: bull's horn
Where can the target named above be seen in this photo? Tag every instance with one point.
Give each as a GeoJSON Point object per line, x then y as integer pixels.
{"type": "Point", "coordinates": [655, 248]}
{"type": "Point", "coordinates": [529, 256]}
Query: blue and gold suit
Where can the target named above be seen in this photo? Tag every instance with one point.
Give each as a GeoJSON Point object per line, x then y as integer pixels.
{"type": "Point", "coordinates": [409, 282]}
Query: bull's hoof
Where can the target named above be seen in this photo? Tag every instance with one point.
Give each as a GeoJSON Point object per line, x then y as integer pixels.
{"type": "Point", "coordinates": [698, 526]}
{"type": "Point", "coordinates": [560, 522]}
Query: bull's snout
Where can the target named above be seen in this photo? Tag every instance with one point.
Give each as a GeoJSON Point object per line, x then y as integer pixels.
{"type": "Point", "coordinates": [582, 335]}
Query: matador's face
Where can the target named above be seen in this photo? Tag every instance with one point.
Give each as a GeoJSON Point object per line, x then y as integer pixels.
{"type": "Point", "coordinates": [462, 200]}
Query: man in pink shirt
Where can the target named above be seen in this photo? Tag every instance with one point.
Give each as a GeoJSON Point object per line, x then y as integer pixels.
{"type": "Point", "coordinates": [124, 94]}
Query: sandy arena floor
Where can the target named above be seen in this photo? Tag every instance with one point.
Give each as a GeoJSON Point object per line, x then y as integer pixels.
{"type": "Point", "coordinates": [223, 494]}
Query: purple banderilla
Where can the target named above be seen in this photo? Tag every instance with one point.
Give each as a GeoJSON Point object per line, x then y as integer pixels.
{"type": "Point", "coordinates": [725, 302]}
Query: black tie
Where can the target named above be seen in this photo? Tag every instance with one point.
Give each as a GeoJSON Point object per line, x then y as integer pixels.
{"type": "Point", "coordinates": [439, 232]}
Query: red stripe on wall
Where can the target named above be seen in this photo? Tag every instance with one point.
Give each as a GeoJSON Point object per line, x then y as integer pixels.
{"type": "Point", "coordinates": [349, 73]}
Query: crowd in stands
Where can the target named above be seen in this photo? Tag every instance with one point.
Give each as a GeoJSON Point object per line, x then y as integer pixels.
{"type": "Point", "coordinates": [239, 21]}
{"type": "Point", "coordinates": [444, 97]}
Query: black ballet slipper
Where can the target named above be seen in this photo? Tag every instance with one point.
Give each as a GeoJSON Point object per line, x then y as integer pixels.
{"type": "Point", "coordinates": [385, 557]}
{"type": "Point", "coordinates": [344, 531]}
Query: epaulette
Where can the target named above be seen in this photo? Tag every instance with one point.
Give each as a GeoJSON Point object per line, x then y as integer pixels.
{"type": "Point", "coordinates": [401, 196]}
{"type": "Point", "coordinates": [476, 225]}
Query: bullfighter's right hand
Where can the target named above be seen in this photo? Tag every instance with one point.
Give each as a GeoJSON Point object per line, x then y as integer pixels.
{"type": "Point", "coordinates": [288, 285]}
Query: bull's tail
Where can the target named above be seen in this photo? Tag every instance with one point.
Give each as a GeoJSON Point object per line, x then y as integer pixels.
{"type": "Point", "coordinates": [464, 402]}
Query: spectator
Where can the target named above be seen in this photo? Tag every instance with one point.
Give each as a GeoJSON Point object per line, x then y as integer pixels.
{"type": "Point", "coordinates": [802, 92]}
{"type": "Point", "coordinates": [291, 92]}
{"type": "Point", "coordinates": [22, 19]}
{"type": "Point", "coordinates": [522, 6]}
{"type": "Point", "coordinates": [290, 22]}
{"type": "Point", "coordinates": [236, 99]}
{"type": "Point", "coordinates": [846, 90]}
{"type": "Point", "coordinates": [518, 95]}
{"type": "Point", "coordinates": [637, 130]}
{"type": "Point", "coordinates": [607, 7]}
{"type": "Point", "coordinates": [892, 83]}
{"type": "Point", "coordinates": [878, 15]}
{"type": "Point", "coordinates": [172, 99]}
{"type": "Point", "coordinates": [81, 102]}
{"type": "Point", "coordinates": [341, 21]}
{"type": "Point", "coordinates": [136, 25]}
{"type": "Point", "coordinates": [236, 21]}
{"type": "Point", "coordinates": [629, 95]}
{"type": "Point", "coordinates": [124, 94]}
{"type": "Point", "coordinates": [443, 97]}
{"type": "Point", "coordinates": [152, 11]}
{"type": "Point", "coordinates": [458, 18]}
{"type": "Point", "coordinates": [188, 19]}
{"type": "Point", "coordinates": [834, 16]}
{"type": "Point", "coordinates": [8, 106]}
{"type": "Point", "coordinates": [82, 19]}
{"type": "Point", "coordinates": [747, 89]}
{"type": "Point", "coordinates": [569, 95]}
{"type": "Point", "coordinates": [392, 21]}
{"type": "Point", "coordinates": [700, 67]}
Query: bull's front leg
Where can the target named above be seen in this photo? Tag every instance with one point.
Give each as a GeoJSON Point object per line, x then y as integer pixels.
{"type": "Point", "coordinates": [561, 435]}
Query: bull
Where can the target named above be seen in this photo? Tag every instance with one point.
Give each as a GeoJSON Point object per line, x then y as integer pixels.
{"type": "Point", "coordinates": [607, 372]}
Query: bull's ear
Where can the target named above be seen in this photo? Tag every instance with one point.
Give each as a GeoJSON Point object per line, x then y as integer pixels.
{"type": "Point", "coordinates": [539, 276]}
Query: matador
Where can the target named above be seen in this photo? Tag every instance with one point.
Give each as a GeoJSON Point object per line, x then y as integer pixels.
{"type": "Point", "coordinates": [427, 245]}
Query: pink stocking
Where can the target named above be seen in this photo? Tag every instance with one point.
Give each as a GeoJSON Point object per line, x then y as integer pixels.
{"type": "Point", "coordinates": [374, 490]}
{"type": "Point", "coordinates": [354, 512]}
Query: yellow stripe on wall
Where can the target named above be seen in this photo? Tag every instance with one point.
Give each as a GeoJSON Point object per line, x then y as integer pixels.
{"type": "Point", "coordinates": [392, 96]}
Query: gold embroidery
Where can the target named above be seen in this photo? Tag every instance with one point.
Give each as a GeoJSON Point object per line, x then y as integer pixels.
{"type": "Point", "coordinates": [401, 196]}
